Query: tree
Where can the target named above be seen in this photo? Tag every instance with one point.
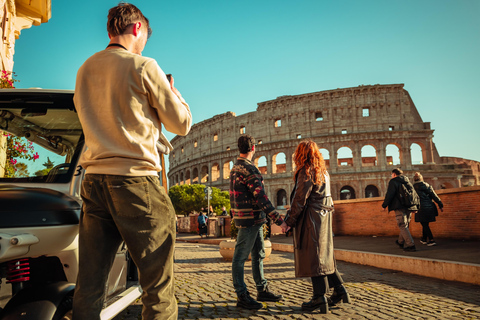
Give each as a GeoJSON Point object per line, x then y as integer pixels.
{"type": "Point", "coordinates": [48, 166]}
{"type": "Point", "coordinates": [191, 197]}
{"type": "Point", "coordinates": [17, 148]}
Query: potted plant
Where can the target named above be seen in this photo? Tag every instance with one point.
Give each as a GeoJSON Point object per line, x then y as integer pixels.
{"type": "Point", "coordinates": [227, 247]}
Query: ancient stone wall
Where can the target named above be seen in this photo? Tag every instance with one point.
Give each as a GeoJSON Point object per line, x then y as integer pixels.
{"type": "Point", "coordinates": [379, 118]}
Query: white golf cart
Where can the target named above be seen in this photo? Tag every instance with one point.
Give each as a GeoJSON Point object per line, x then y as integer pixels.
{"type": "Point", "coordinates": [40, 144]}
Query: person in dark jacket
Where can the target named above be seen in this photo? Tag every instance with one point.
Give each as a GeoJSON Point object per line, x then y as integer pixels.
{"type": "Point", "coordinates": [310, 216]}
{"type": "Point", "coordinates": [250, 205]}
{"type": "Point", "coordinates": [402, 213]}
{"type": "Point", "coordinates": [428, 210]}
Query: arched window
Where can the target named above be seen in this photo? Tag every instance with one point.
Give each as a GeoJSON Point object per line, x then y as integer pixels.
{"type": "Point", "coordinates": [345, 156]}
{"type": "Point", "coordinates": [204, 174]}
{"type": "Point", "coordinates": [393, 155]}
{"type": "Point", "coordinates": [371, 191]}
{"type": "Point", "coordinates": [369, 156]}
{"type": "Point", "coordinates": [346, 193]}
{"type": "Point", "coordinates": [281, 199]}
{"type": "Point", "coordinates": [227, 167]}
{"type": "Point", "coordinates": [416, 153]}
{"type": "Point", "coordinates": [326, 156]}
{"type": "Point", "coordinates": [261, 164]}
{"type": "Point", "coordinates": [215, 171]}
{"type": "Point", "coordinates": [195, 175]}
{"type": "Point", "coordinates": [187, 177]}
{"type": "Point", "coordinates": [279, 163]}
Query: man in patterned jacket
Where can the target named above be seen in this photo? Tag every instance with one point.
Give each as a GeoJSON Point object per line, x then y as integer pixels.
{"type": "Point", "coordinates": [250, 205]}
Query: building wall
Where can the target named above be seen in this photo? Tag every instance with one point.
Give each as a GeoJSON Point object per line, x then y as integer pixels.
{"type": "Point", "coordinates": [460, 218]}
{"type": "Point", "coordinates": [378, 117]}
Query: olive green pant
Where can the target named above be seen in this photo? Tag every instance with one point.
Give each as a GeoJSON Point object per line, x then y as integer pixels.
{"type": "Point", "coordinates": [136, 210]}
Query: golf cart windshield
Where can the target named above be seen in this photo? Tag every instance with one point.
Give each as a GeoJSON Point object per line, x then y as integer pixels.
{"type": "Point", "coordinates": [40, 136]}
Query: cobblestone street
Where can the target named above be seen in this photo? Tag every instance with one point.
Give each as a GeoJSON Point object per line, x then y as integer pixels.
{"type": "Point", "coordinates": [204, 291]}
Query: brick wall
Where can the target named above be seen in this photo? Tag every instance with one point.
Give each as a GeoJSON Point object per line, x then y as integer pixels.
{"type": "Point", "coordinates": [460, 218]}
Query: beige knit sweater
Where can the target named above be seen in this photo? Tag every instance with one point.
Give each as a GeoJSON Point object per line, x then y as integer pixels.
{"type": "Point", "coordinates": [122, 100]}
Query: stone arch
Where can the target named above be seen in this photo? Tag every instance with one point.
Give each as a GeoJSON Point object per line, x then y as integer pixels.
{"type": "Point", "coordinates": [345, 156]}
{"type": "Point", "coordinates": [215, 171]}
{"type": "Point", "coordinates": [227, 167]}
{"type": "Point", "coordinates": [195, 175]}
{"type": "Point", "coordinates": [347, 192]}
{"type": "Point", "coordinates": [261, 163]}
{"type": "Point", "coordinates": [392, 153]}
{"type": "Point", "coordinates": [281, 199]}
{"type": "Point", "coordinates": [181, 178]}
{"type": "Point", "coordinates": [371, 191]}
{"type": "Point", "coordinates": [369, 156]}
{"type": "Point", "coordinates": [326, 156]}
{"type": "Point", "coordinates": [187, 177]}
{"type": "Point", "coordinates": [417, 153]}
{"type": "Point", "coordinates": [204, 174]}
{"type": "Point", "coordinates": [279, 163]}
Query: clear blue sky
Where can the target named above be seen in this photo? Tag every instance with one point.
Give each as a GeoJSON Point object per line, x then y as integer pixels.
{"type": "Point", "coordinates": [231, 55]}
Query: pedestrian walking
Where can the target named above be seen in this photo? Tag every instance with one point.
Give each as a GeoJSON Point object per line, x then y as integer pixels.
{"type": "Point", "coordinates": [250, 205]}
{"type": "Point", "coordinates": [123, 100]}
{"type": "Point", "coordinates": [399, 188]}
{"type": "Point", "coordinates": [310, 216]}
{"type": "Point", "coordinates": [202, 224]}
{"type": "Point", "coordinates": [428, 210]}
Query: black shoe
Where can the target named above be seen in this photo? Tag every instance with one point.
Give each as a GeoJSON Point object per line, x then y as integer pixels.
{"type": "Point", "coordinates": [399, 244]}
{"type": "Point", "coordinates": [245, 301]}
{"type": "Point", "coordinates": [266, 295]}
{"type": "Point", "coordinates": [431, 243]}
{"type": "Point", "coordinates": [423, 241]}
{"type": "Point", "coordinates": [339, 294]}
{"type": "Point", "coordinates": [410, 249]}
{"type": "Point", "coordinates": [316, 302]}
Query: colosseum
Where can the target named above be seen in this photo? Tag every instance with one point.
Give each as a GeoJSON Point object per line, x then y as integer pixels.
{"type": "Point", "coordinates": [363, 132]}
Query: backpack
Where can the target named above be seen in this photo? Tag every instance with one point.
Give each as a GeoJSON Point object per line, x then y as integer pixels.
{"type": "Point", "coordinates": [407, 196]}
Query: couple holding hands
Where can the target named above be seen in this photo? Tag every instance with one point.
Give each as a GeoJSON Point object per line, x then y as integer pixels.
{"type": "Point", "coordinates": [310, 217]}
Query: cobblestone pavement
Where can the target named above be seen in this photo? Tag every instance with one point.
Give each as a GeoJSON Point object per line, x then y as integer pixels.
{"type": "Point", "coordinates": [204, 290]}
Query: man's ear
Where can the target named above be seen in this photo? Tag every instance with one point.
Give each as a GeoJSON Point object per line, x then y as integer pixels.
{"type": "Point", "coordinates": [136, 28]}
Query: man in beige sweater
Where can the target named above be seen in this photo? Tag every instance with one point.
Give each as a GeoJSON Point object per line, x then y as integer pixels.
{"type": "Point", "coordinates": [122, 100]}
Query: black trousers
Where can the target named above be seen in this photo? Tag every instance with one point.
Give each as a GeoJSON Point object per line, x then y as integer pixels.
{"type": "Point", "coordinates": [426, 232]}
{"type": "Point", "coordinates": [321, 283]}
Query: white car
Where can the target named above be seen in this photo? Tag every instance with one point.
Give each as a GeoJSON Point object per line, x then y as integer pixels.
{"type": "Point", "coordinates": [40, 143]}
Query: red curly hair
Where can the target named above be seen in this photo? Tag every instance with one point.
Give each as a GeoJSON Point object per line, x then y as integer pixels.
{"type": "Point", "coordinates": [308, 155]}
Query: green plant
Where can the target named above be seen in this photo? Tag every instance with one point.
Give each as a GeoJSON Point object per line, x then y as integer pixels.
{"type": "Point", "coordinates": [191, 197]}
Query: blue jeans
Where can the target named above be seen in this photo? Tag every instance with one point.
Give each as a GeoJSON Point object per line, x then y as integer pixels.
{"type": "Point", "coordinates": [136, 210]}
{"type": "Point", "coordinates": [249, 240]}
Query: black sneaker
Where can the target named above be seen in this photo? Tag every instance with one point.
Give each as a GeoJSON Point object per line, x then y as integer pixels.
{"type": "Point", "coordinates": [399, 244]}
{"type": "Point", "coordinates": [431, 243]}
{"type": "Point", "coordinates": [410, 249]}
{"type": "Point", "coordinates": [423, 241]}
{"type": "Point", "coordinates": [266, 295]}
{"type": "Point", "coordinates": [245, 301]}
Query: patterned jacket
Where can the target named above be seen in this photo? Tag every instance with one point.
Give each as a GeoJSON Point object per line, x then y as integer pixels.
{"type": "Point", "coordinates": [248, 200]}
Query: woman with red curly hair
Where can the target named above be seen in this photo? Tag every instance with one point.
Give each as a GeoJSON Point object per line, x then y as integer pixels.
{"type": "Point", "coordinates": [310, 216]}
